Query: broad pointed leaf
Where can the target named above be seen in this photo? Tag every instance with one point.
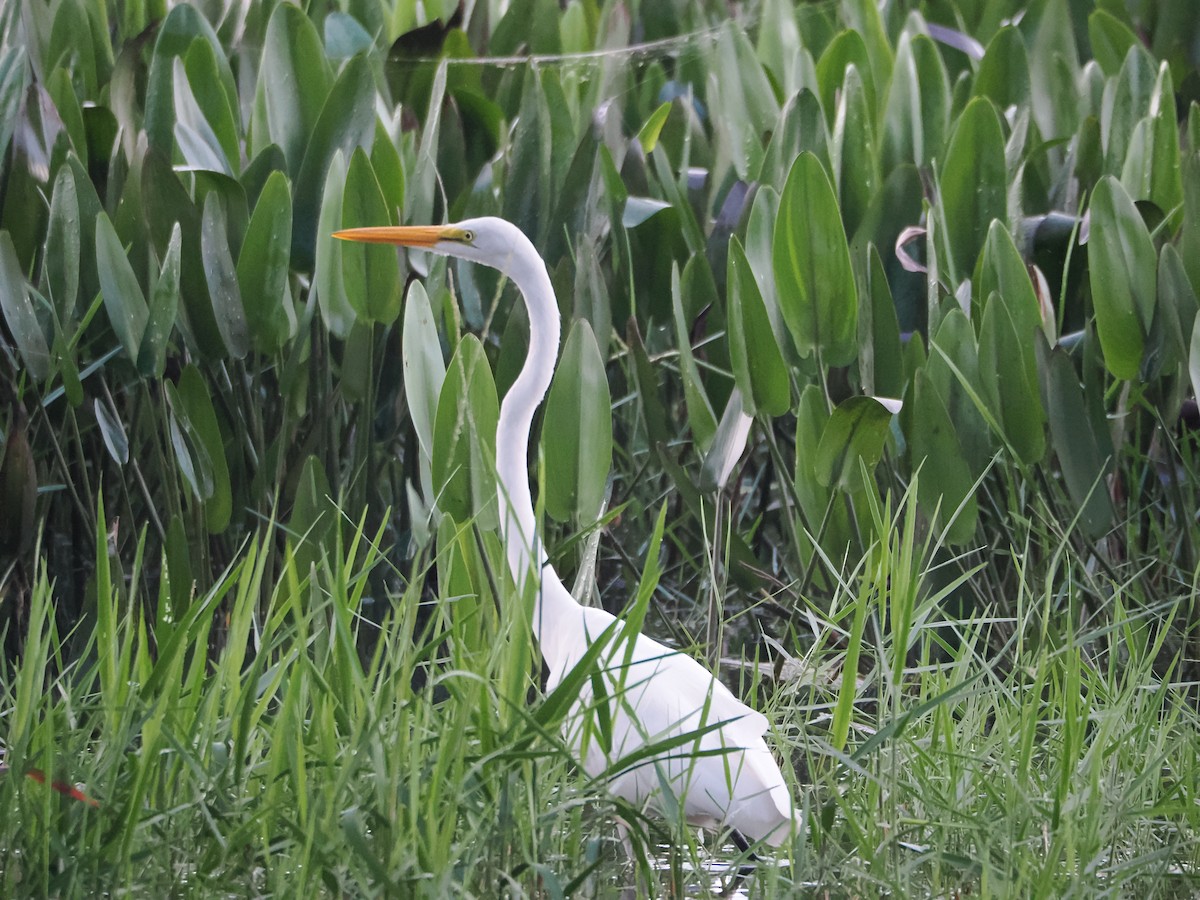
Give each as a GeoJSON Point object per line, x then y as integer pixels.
{"type": "Point", "coordinates": [424, 368]}
{"type": "Point", "coordinates": [974, 183]}
{"type": "Point", "coordinates": [1122, 270]}
{"type": "Point", "coordinates": [464, 438]}
{"type": "Point", "coordinates": [123, 298]}
{"type": "Point", "coordinates": [758, 365]}
{"type": "Point", "coordinates": [164, 305]}
{"type": "Point", "coordinates": [577, 430]}
{"type": "Point", "coordinates": [944, 482]}
{"type": "Point", "coordinates": [370, 272]}
{"type": "Point", "coordinates": [856, 431]}
{"type": "Point", "coordinates": [19, 313]}
{"type": "Point", "coordinates": [811, 261]}
{"type": "Point", "coordinates": [262, 269]}
{"type": "Point", "coordinates": [221, 276]}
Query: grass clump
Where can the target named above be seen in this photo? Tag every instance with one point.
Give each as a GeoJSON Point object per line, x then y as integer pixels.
{"type": "Point", "coordinates": [1039, 752]}
{"type": "Point", "coordinates": [289, 762]}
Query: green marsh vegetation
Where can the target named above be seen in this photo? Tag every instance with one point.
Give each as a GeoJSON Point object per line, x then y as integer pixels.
{"type": "Point", "coordinates": [252, 598]}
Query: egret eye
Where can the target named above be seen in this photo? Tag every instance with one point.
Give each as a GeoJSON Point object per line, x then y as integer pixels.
{"type": "Point", "coordinates": [468, 237]}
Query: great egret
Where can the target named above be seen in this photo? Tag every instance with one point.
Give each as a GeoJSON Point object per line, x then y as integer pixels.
{"type": "Point", "coordinates": [724, 776]}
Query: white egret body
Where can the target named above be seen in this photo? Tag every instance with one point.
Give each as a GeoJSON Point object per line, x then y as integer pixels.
{"type": "Point", "coordinates": [725, 777]}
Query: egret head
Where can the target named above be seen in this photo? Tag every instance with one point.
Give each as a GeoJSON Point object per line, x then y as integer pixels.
{"type": "Point", "coordinates": [486, 240]}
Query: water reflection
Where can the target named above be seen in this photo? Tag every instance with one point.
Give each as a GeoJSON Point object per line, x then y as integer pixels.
{"type": "Point", "coordinates": [717, 876]}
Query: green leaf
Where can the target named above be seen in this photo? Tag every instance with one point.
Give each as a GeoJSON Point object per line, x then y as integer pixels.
{"type": "Point", "coordinates": [1110, 40]}
{"type": "Point", "coordinates": [533, 23]}
{"type": "Point", "coordinates": [209, 92]}
{"type": "Point", "coordinates": [179, 571]}
{"type": "Point", "coordinates": [420, 188]}
{"type": "Point", "coordinates": [164, 304]}
{"type": "Point", "coordinates": [66, 103]}
{"type": "Point", "coordinates": [199, 447]}
{"type": "Point", "coordinates": [14, 77]}
{"type": "Point", "coordinates": [1007, 368]}
{"type": "Point", "coordinates": [742, 100]}
{"type": "Point", "coordinates": [370, 272]}
{"type": "Point", "coordinates": [315, 517]}
{"type": "Point", "coordinates": [123, 298]}
{"type": "Point", "coordinates": [62, 252]}
{"type": "Point", "coordinates": [294, 79]}
{"type": "Point", "coordinates": [19, 313]}
{"type": "Point", "coordinates": [1177, 307]}
{"type": "Point", "coordinates": [856, 431]}
{"type": "Point", "coordinates": [944, 481]}
{"type": "Point", "coordinates": [728, 444]}
{"type": "Point", "coordinates": [347, 120]}
{"type": "Point", "coordinates": [915, 356]}
{"type": "Point", "coordinates": [1083, 446]}
{"type": "Point", "coordinates": [1003, 75]}
{"type": "Point", "coordinates": [591, 296]}
{"type": "Point", "coordinates": [648, 134]}
{"type": "Point", "coordinates": [1055, 71]}
{"type": "Point", "coordinates": [825, 519]}
{"type": "Point", "coordinates": [389, 171]}
{"type": "Point", "coordinates": [1152, 169]}
{"type": "Point", "coordinates": [18, 483]}
{"type": "Point", "coordinates": [953, 371]}
{"type": "Point", "coordinates": [973, 184]}
{"type": "Point", "coordinates": [576, 32]}
{"type": "Point", "coordinates": [167, 203]}
{"type": "Point", "coordinates": [641, 209]}
{"type": "Point", "coordinates": [356, 370]}
{"type": "Point", "coordinates": [887, 359]}
{"type": "Point", "coordinates": [1129, 105]}
{"type": "Point", "coordinates": [68, 370]}
{"type": "Point", "coordinates": [863, 16]}
{"type": "Point", "coordinates": [194, 136]}
{"type": "Point", "coordinates": [758, 365]}
{"type": "Point", "coordinates": [1002, 271]}
{"type": "Point", "coordinates": [344, 36]}
{"type": "Point", "coordinates": [1122, 271]}
{"type": "Point", "coordinates": [424, 368]}
{"type": "Point", "coordinates": [254, 176]}
{"type": "Point", "coordinates": [702, 305]}
{"type": "Point", "coordinates": [760, 235]}
{"type": "Point", "coordinates": [178, 30]}
{"type": "Point", "coordinates": [846, 50]}
{"type": "Point", "coordinates": [801, 127]}
{"type": "Point", "coordinates": [853, 151]}
{"type": "Point", "coordinates": [781, 51]}
{"type": "Point", "coordinates": [1189, 242]}
{"type": "Point", "coordinates": [112, 432]}
{"type": "Point", "coordinates": [528, 187]}
{"type": "Point", "coordinates": [1166, 172]}
{"type": "Point", "coordinates": [916, 112]}
{"type": "Point", "coordinates": [222, 278]}
{"type": "Point", "coordinates": [577, 430]}
{"type": "Point", "coordinates": [811, 262]}
{"type": "Point", "coordinates": [654, 413]}
{"type": "Point", "coordinates": [700, 415]}
{"type": "Point", "coordinates": [71, 39]}
{"type": "Point", "coordinates": [1194, 357]}
{"type": "Point", "coordinates": [464, 438]}
{"type": "Point", "coordinates": [336, 311]}
{"type": "Point", "coordinates": [262, 269]}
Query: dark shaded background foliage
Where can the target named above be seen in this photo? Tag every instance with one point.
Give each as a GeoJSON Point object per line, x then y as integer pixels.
{"type": "Point", "coordinates": [248, 382]}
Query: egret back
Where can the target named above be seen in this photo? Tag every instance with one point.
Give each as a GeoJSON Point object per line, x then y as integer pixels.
{"type": "Point", "coordinates": [711, 753]}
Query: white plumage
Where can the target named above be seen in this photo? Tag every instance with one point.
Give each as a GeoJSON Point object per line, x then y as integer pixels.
{"type": "Point", "coordinates": [723, 774]}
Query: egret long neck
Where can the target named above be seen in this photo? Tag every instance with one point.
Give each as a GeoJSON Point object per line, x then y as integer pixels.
{"type": "Point", "coordinates": [526, 556]}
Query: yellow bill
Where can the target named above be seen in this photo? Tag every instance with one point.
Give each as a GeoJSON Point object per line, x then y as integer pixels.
{"type": "Point", "coordinates": [423, 236]}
